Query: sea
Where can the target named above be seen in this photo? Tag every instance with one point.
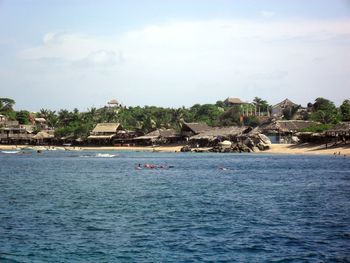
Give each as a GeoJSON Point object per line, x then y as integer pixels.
{"type": "Point", "coordinates": [62, 206]}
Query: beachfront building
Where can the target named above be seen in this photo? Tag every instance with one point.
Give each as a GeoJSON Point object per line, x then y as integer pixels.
{"type": "Point", "coordinates": [339, 133]}
{"type": "Point", "coordinates": [189, 129]}
{"type": "Point", "coordinates": [159, 136]}
{"type": "Point", "coordinates": [104, 133]}
{"type": "Point", "coordinates": [284, 131]}
{"type": "Point", "coordinates": [214, 135]}
{"type": "Point", "coordinates": [279, 109]}
{"type": "Point", "coordinates": [14, 133]}
{"type": "Point", "coordinates": [44, 137]}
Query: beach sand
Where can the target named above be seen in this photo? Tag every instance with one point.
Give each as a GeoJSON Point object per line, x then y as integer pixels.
{"type": "Point", "coordinates": [275, 149]}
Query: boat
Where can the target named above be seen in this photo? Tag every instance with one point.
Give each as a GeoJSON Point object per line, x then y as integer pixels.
{"type": "Point", "coordinates": [10, 152]}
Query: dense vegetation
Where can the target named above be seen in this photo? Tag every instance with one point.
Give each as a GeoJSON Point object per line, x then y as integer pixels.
{"type": "Point", "coordinates": [148, 118]}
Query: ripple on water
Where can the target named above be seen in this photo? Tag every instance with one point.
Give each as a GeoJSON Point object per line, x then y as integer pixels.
{"type": "Point", "coordinates": [100, 209]}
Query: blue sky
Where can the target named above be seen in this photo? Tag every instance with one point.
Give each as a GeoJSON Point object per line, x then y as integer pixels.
{"type": "Point", "coordinates": [66, 54]}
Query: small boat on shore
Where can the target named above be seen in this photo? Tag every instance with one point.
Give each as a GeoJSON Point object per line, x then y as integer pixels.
{"type": "Point", "coordinates": [10, 152]}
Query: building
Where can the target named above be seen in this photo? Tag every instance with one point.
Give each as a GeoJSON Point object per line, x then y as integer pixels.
{"type": "Point", "coordinates": [214, 135]}
{"type": "Point", "coordinates": [104, 133]}
{"type": "Point", "coordinates": [189, 129]}
{"type": "Point", "coordinates": [282, 131]}
{"type": "Point", "coordinates": [159, 136]}
{"type": "Point", "coordinates": [234, 102]}
{"type": "Point", "coordinates": [14, 133]}
{"type": "Point", "coordinates": [277, 110]}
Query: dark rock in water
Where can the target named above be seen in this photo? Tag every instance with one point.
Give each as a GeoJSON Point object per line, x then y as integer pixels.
{"type": "Point", "coordinates": [186, 148]}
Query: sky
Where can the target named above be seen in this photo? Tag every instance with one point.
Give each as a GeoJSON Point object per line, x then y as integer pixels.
{"type": "Point", "coordinates": [59, 54]}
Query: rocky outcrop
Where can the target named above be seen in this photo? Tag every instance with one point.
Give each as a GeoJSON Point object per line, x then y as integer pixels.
{"type": "Point", "coordinates": [252, 143]}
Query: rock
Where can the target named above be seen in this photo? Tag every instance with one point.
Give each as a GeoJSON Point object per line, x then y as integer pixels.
{"type": "Point", "coordinates": [264, 138]}
{"type": "Point", "coordinates": [295, 139]}
{"type": "Point", "coordinates": [225, 144]}
{"type": "Point", "coordinates": [262, 147]}
{"type": "Point", "coordinates": [249, 142]}
{"type": "Point", "coordinates": [186, 148]}
{"type": "Point", "coordinates": [255, 149]}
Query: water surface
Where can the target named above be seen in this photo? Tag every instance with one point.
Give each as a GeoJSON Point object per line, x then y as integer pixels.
{"type": "Point", "coordinates": [88, 207]}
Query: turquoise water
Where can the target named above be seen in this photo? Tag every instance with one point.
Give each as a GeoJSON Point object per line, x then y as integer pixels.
{"type": "Point", "coordinates": [87, 207]}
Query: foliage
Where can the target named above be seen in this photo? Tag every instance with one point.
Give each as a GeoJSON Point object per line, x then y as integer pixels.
{"type": "Point", "coordinates": [324, 111]}
{"type": "Point", "coordinates": [345, 110]}
{"type": "Point", "coordinates": [23, 117]}
{"type": "Point", "coordinates": [261, 104]}
{"type": "Point", "coordinates": [252, 121]}
{"type": "Point", "coordinates": [6, 104]}
{"type": "Point", "coordinates": [231, 117]}
{"type": "Point", "coordinates": [317, 128]}
{"type": "Point", "coordinates": [289, 112]}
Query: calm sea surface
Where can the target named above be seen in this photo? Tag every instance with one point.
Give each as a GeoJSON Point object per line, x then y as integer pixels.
{"type": "Point", "coordinates": [88, 207]}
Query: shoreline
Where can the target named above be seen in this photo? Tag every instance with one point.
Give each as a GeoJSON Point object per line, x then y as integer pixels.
{"type": "Point", "coordinates": [299, 149]}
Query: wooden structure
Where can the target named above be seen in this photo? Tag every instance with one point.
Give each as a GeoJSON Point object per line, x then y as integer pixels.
{"type": "Point", "coordinates": [341, 132]}
{"type": "Point", "coordinates": [193, 128]}
{"type": "Point", "coordinates": [281, 131]}
{"type": "Point", "coordinates": [104, 133]}
{"type": "Point", "coordinates": [214, 135]}
{"type": "Point", "coordinates": [13, 133]}
{"type": "Point", "coordinates": [159, 136]}
{"type": "Point", "coordinates": [234, 102]}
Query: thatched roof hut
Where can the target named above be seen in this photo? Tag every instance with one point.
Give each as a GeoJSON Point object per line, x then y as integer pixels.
{"type": "Point", "coordinates": [286, 126]}
{"type": "Point", "coordinates": [159, 135]}
{"type": "Point", "coordinates": [234, 101]}
{"type": "Point", "coordinates": [105, 131]}
{"type": "Point", "coordinates": [43, 135]}
{"type": "Point", "coordinates": [103, 128]}
{"type": "Point", "coordinates": [341, 129]}
{"type": "Point", "coordinates": [189, 129]}
{"type": "Point", "coordinates": [219, 133]}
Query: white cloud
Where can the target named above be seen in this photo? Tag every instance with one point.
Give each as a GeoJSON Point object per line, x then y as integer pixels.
{"type": "Point", "coordinates": [205, 60]}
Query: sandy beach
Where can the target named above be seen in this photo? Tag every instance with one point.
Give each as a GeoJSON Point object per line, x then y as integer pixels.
{"type": "Point", "coordinates": [275, 149]}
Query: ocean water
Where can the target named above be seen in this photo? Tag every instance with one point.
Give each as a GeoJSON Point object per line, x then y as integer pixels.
{"type": "Point", "coordinates": [96, 207]}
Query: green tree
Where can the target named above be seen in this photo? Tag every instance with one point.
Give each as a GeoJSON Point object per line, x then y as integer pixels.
{"type": "Point", "coordinates": [261, 104]}
{"type": "Point", "coordinates": [6, 104]}
{"type": "Point", "coordinates": [325, 111]}
{"type": "Point", "coordinates": [231, 117]}
{"type": "Point", "coordinates": [345, 110]}
{"type": "Point", "coordinates": [23, 117]}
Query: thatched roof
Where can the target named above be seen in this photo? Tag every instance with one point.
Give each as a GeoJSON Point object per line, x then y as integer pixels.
{"type": "Point", "coordinates": [342, 128]}
{"type": "Point", "coordinates": [43, 135]}
{"type": "Point", "coordinates": [285, 104]}
{"type": "Point", "coordinates": [158, 134]}
{"type": "Point", "coordinates": [215, 132]}
{"type": "Point", "coordinates": [195, 127]}
{"type": "Point", "coordinates": [287, 126]}
{"type": "Point", "coordinates": [105, 128]}
{"type": "Point", "coordinates": [27, 128]}
{"type": "Point", "coordinates": [234, 101]}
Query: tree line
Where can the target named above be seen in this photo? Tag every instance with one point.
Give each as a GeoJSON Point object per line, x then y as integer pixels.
{"type": "Point", "coordinates": [147, 118]}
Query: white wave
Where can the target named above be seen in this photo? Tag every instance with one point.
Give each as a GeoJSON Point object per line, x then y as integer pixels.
{"type": "Point", "coordinates": [105, 155]}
